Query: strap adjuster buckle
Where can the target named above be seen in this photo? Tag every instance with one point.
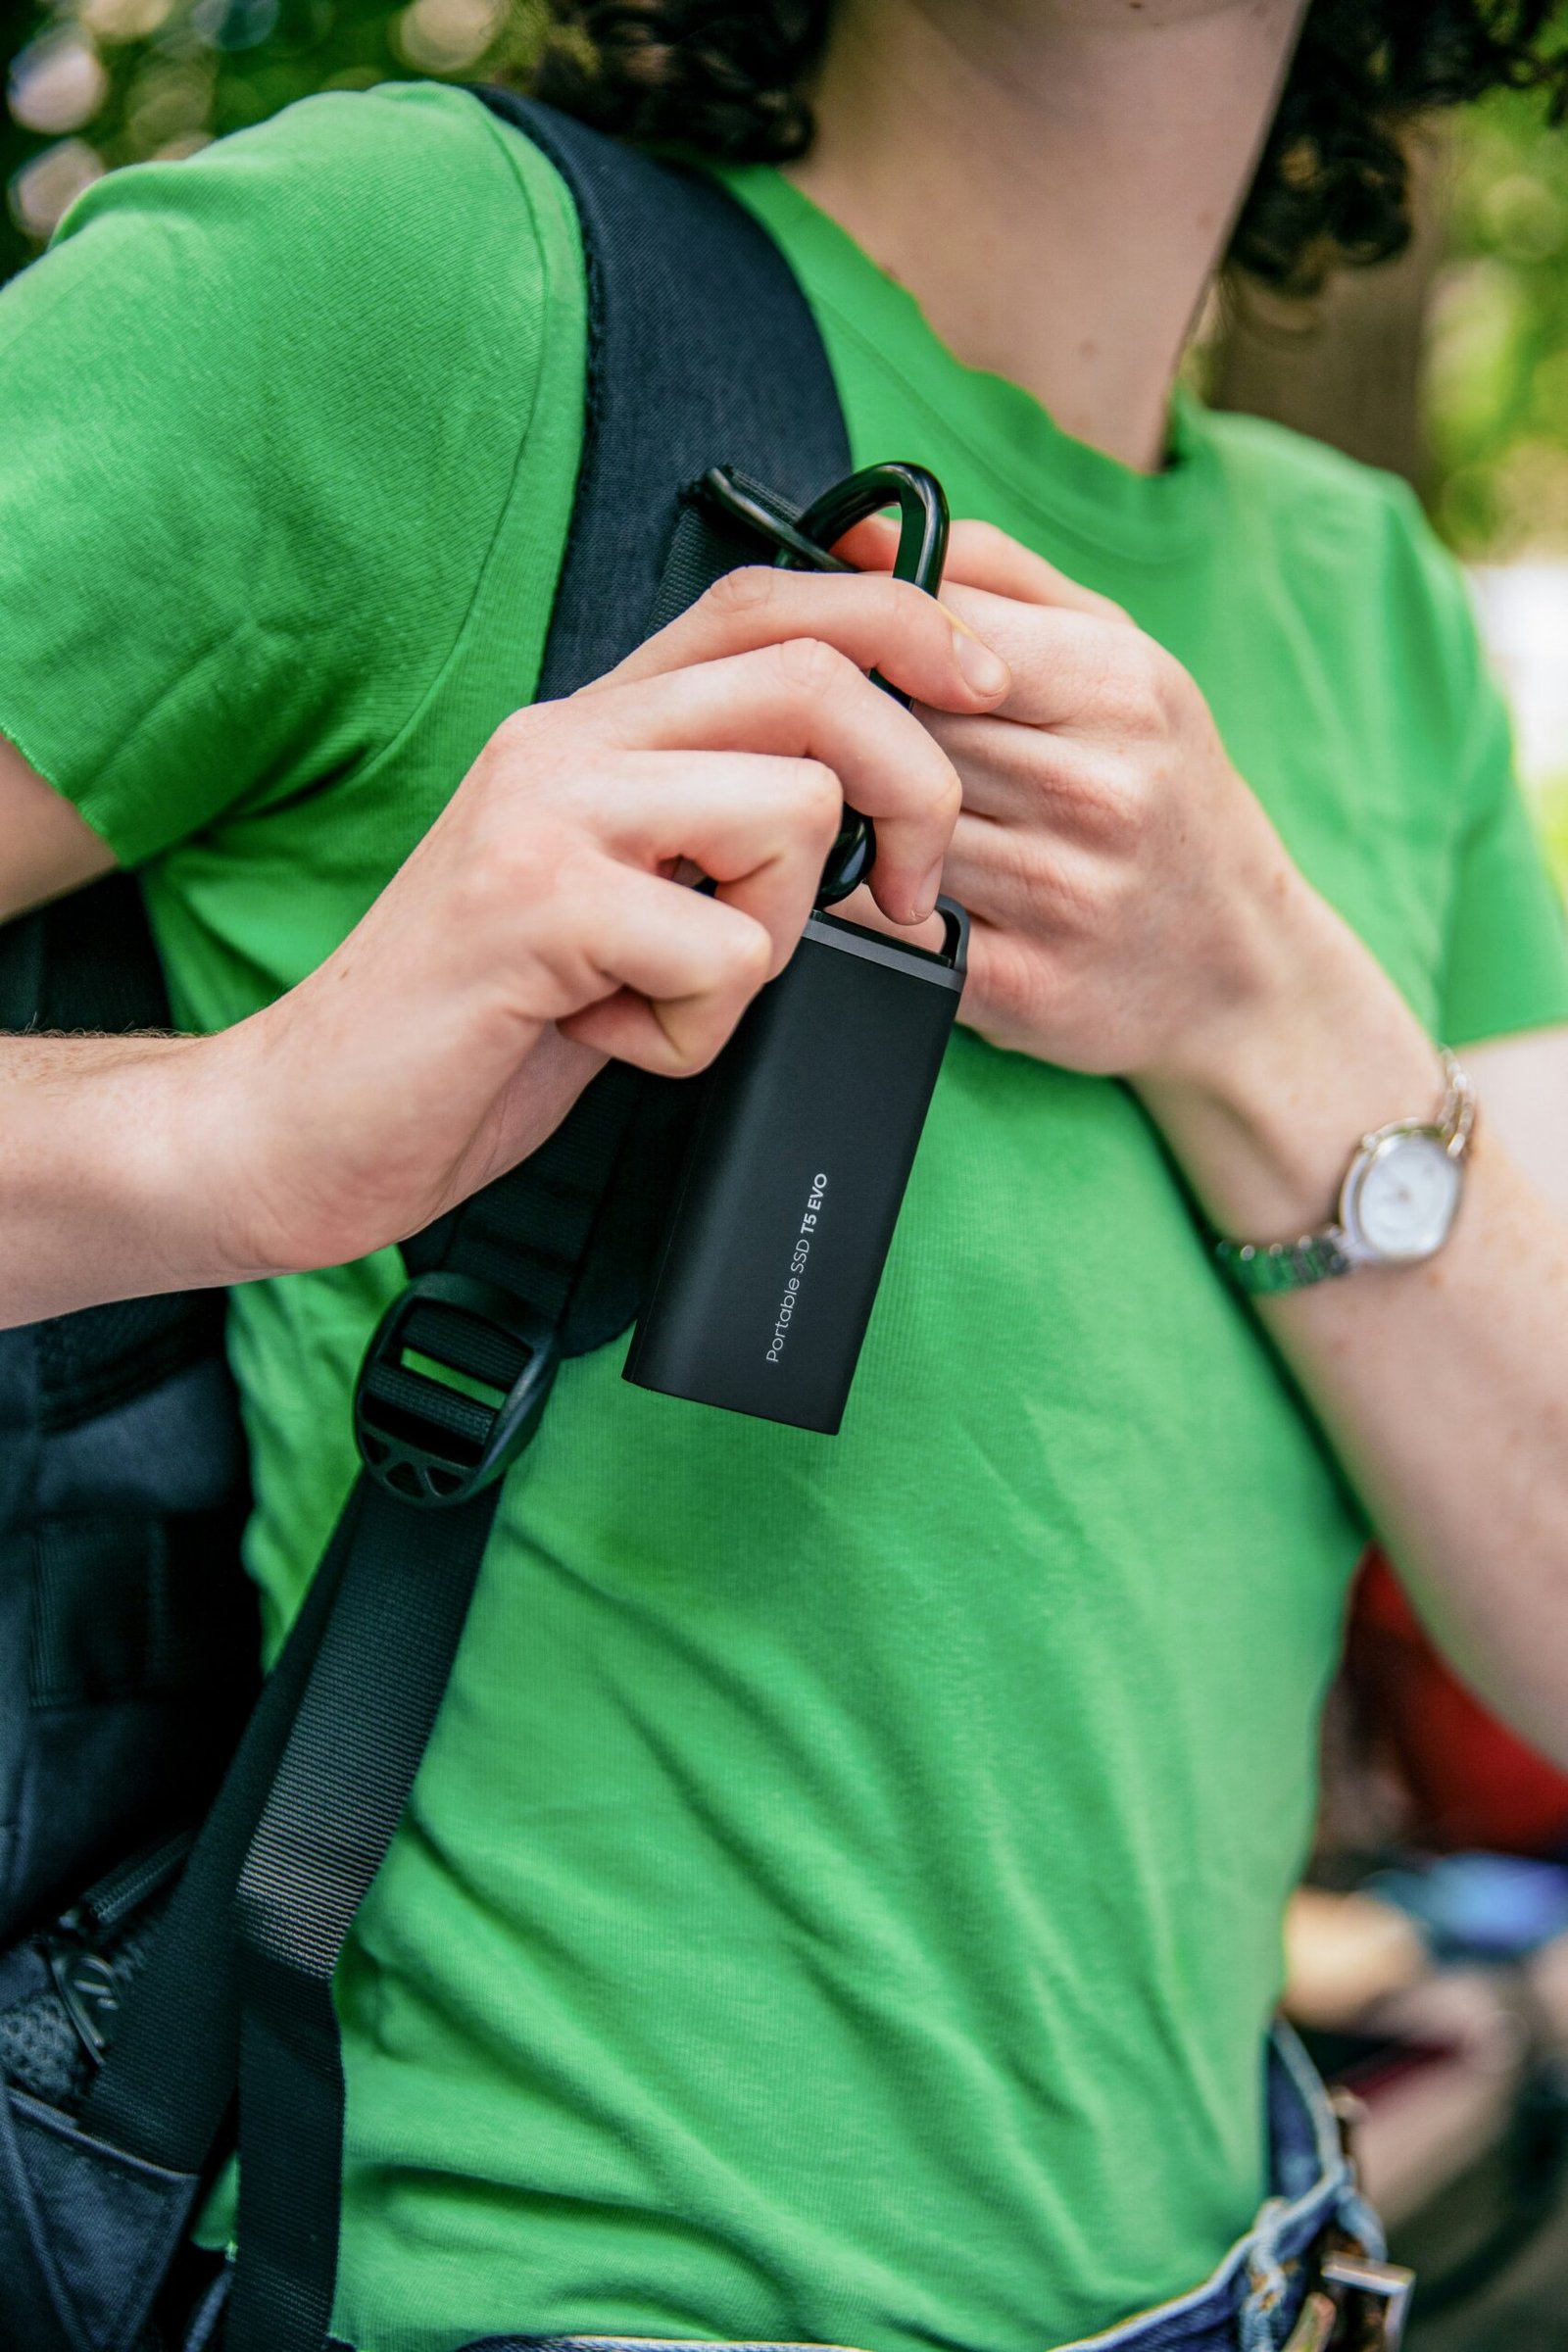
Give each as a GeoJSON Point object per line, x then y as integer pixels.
{"type": "Point", "coordinates": [1374, 2299]}
{"type": "Point", "coordinates": [451, 1389]}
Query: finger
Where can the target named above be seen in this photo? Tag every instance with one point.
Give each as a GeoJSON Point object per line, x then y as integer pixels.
{"type": "Point", "coordinates": [862, 908]}
{"type": "Point", "coordinates": [1010, 772]}
{"type": "Point", "coordinates": [878, 624]}
{"type": "Point", "coordinates": [1069, 670]}
{"type": "Point", "coordinates": [979, 555]}
{"type": "Point", "coordinates": [807, 700]}
{"type": "Point", "coordinates": [687, 968]}
{"type": "Point", "coordinates": [1010, 986]}
{"type": "Point", "coordinates": [1029, 882]}
{"type": "Point", "coordinates": [756, 824]}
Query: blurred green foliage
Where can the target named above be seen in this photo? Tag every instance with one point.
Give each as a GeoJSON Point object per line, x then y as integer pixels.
{"type": "Point", "coordinates": [1497, 371]}
{"type": "Point", "coordinates": [96, 84]}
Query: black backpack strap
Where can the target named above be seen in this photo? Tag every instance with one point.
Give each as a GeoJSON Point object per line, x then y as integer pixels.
{"type": "Point", "coordinates": [700, 350]}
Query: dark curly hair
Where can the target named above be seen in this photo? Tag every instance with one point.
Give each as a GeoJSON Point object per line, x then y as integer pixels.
{"type": "Point", "coordinates": [731, 80]}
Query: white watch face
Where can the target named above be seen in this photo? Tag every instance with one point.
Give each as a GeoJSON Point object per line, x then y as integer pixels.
{"type": "Point", "coordinates": [1402, 1201]}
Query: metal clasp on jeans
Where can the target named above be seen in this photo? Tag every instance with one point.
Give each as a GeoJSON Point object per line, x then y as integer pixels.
{"type": "Point", "coordinates": [1373, 2300]}
{"type": "Point", "coordinates": [1358, 2304]}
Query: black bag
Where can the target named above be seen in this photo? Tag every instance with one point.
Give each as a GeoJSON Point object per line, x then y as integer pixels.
{"type": "Point", "coordinates": [128, 2014]}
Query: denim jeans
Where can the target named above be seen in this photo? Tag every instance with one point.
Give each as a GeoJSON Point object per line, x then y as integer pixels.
{"type": "Point", "coordinates": [1248, 2304]}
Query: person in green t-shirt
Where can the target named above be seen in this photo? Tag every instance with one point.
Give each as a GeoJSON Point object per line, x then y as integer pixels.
{"type": "Point", "coordinates": [841, 1901]}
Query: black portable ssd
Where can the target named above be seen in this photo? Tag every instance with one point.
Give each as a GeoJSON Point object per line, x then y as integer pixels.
{"type": "Point", "coordinates": [795, 1172]}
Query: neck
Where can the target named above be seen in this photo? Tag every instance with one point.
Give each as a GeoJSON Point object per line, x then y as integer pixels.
{"type": "Point", "coordinates": [1053, 180]}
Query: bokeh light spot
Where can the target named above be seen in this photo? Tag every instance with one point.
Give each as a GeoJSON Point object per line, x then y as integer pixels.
{"type": "Point", "coordinates": [446, 36]}
{"type": "Point", "coordinates": [122, 19]}
{"type": "Point", "coordinates": [234, 23]}
{"type": "Point", "coordinates": [42, 191]}
{"type": "Point", "coordinates": [57, 84]}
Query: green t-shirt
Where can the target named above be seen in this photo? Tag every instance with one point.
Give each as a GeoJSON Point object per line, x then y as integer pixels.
{"type": "Point", "coordinates": [842, 1897]}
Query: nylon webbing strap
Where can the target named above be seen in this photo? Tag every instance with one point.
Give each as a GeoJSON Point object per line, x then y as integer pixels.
{"type": "Point", "coordinates": [345, 1775]}
{"type": "Point", "coordinates": [167, 2080]}
{"type": "Point", "coordinates": [527, 1233]}
{"type": "Point", "coordinates": [342, 1786]}
{"type": "Point", "coordinates": [703, 547]}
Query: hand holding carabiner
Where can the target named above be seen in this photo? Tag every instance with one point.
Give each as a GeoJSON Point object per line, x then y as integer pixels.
{"type": "Point", "coordinates": [807, 544]}
{"type": "Point", "coordinates": [883, 761]}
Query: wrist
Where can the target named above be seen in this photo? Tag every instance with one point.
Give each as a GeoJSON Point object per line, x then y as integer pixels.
{"type": "Point", "coordinates": [99, 1203]}
{"type": "Point", "coordinates": [176, 1135]}
{"type": "Point", "coordinates": [245, 1151]}
{"type": "Point", "coordinates": [1264, 1108]}
{"type": "Point", "coordinates": [231, 1137]}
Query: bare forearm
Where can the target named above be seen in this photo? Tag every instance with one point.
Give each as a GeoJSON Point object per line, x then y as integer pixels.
{"type": "Point", "coordinates": [1442, 1387]}
{"type": "Point", "coordinates": [1445, 1389]}
{"type": "Point", "coordinates": [105, 1192]}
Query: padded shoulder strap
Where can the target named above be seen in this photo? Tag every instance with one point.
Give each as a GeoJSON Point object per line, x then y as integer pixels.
{"type": "Point", "coordinates": [700, 352]}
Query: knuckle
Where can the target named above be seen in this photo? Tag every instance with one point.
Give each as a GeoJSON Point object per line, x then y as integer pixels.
{"type": "Point", "coordinates": [1114, 796]}
{"type": "Point", "coordinates": [750, 958]}
{"type": "Point", "coordinates": [822, 797]}
{"type": "Point", "coordinates": [486, 890]}
{"type": "Point", "coordinates": [575, 867]}
{"type": "Point", "coordinates": [519, 736]}
{"type": "Point", "coordinates": [472, 896]}
{"type": "Point", "coordinates": [1092, 898]}
{"type": "Point", "coordinates": [985, 538]}
{"type": "Point", "coordinates": [749, 589]}
{"type": "Point", "coordinates": [810, 665]}
{"type": "Point", "coordinates": [1147, 686]}
{"type": "Point", "coordinates": [1178, 696]}
{"type": "Point", "coordinates": [1014, 983]}
{"type": "Point", "coordinates": [1024, 863]}
{"type": "Point", "coordinates": [1031, 866]}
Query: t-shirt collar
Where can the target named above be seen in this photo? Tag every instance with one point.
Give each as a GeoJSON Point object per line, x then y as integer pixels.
{"type": "Point", "coordinates": [1067, 485]}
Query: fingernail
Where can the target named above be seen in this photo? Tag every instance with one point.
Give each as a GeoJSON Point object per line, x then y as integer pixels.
{"type": "Point", "coordinates": [984, 670]}
{"type": "Point", "coordinates": [925, 897]}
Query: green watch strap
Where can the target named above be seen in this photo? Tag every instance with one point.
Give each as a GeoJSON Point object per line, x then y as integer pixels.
{"type": "Point", "coordinates": [1267, 1269]}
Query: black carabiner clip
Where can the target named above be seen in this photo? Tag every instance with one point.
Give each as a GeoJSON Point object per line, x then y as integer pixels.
{"type": "Point", "coordinates": [922, 551]}
{"type": "Point", "coordinates": [805, 544]}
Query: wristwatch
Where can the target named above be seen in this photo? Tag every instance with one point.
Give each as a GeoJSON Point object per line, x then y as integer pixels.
{"type": "Point", "coordinates": [1397, 1203]}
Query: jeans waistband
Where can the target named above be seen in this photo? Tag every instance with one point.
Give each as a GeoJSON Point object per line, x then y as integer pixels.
{"type": "Point", "coordinates": [1248, 2304]}
{"type": "Point", "coordinates": [1253, 2300]}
